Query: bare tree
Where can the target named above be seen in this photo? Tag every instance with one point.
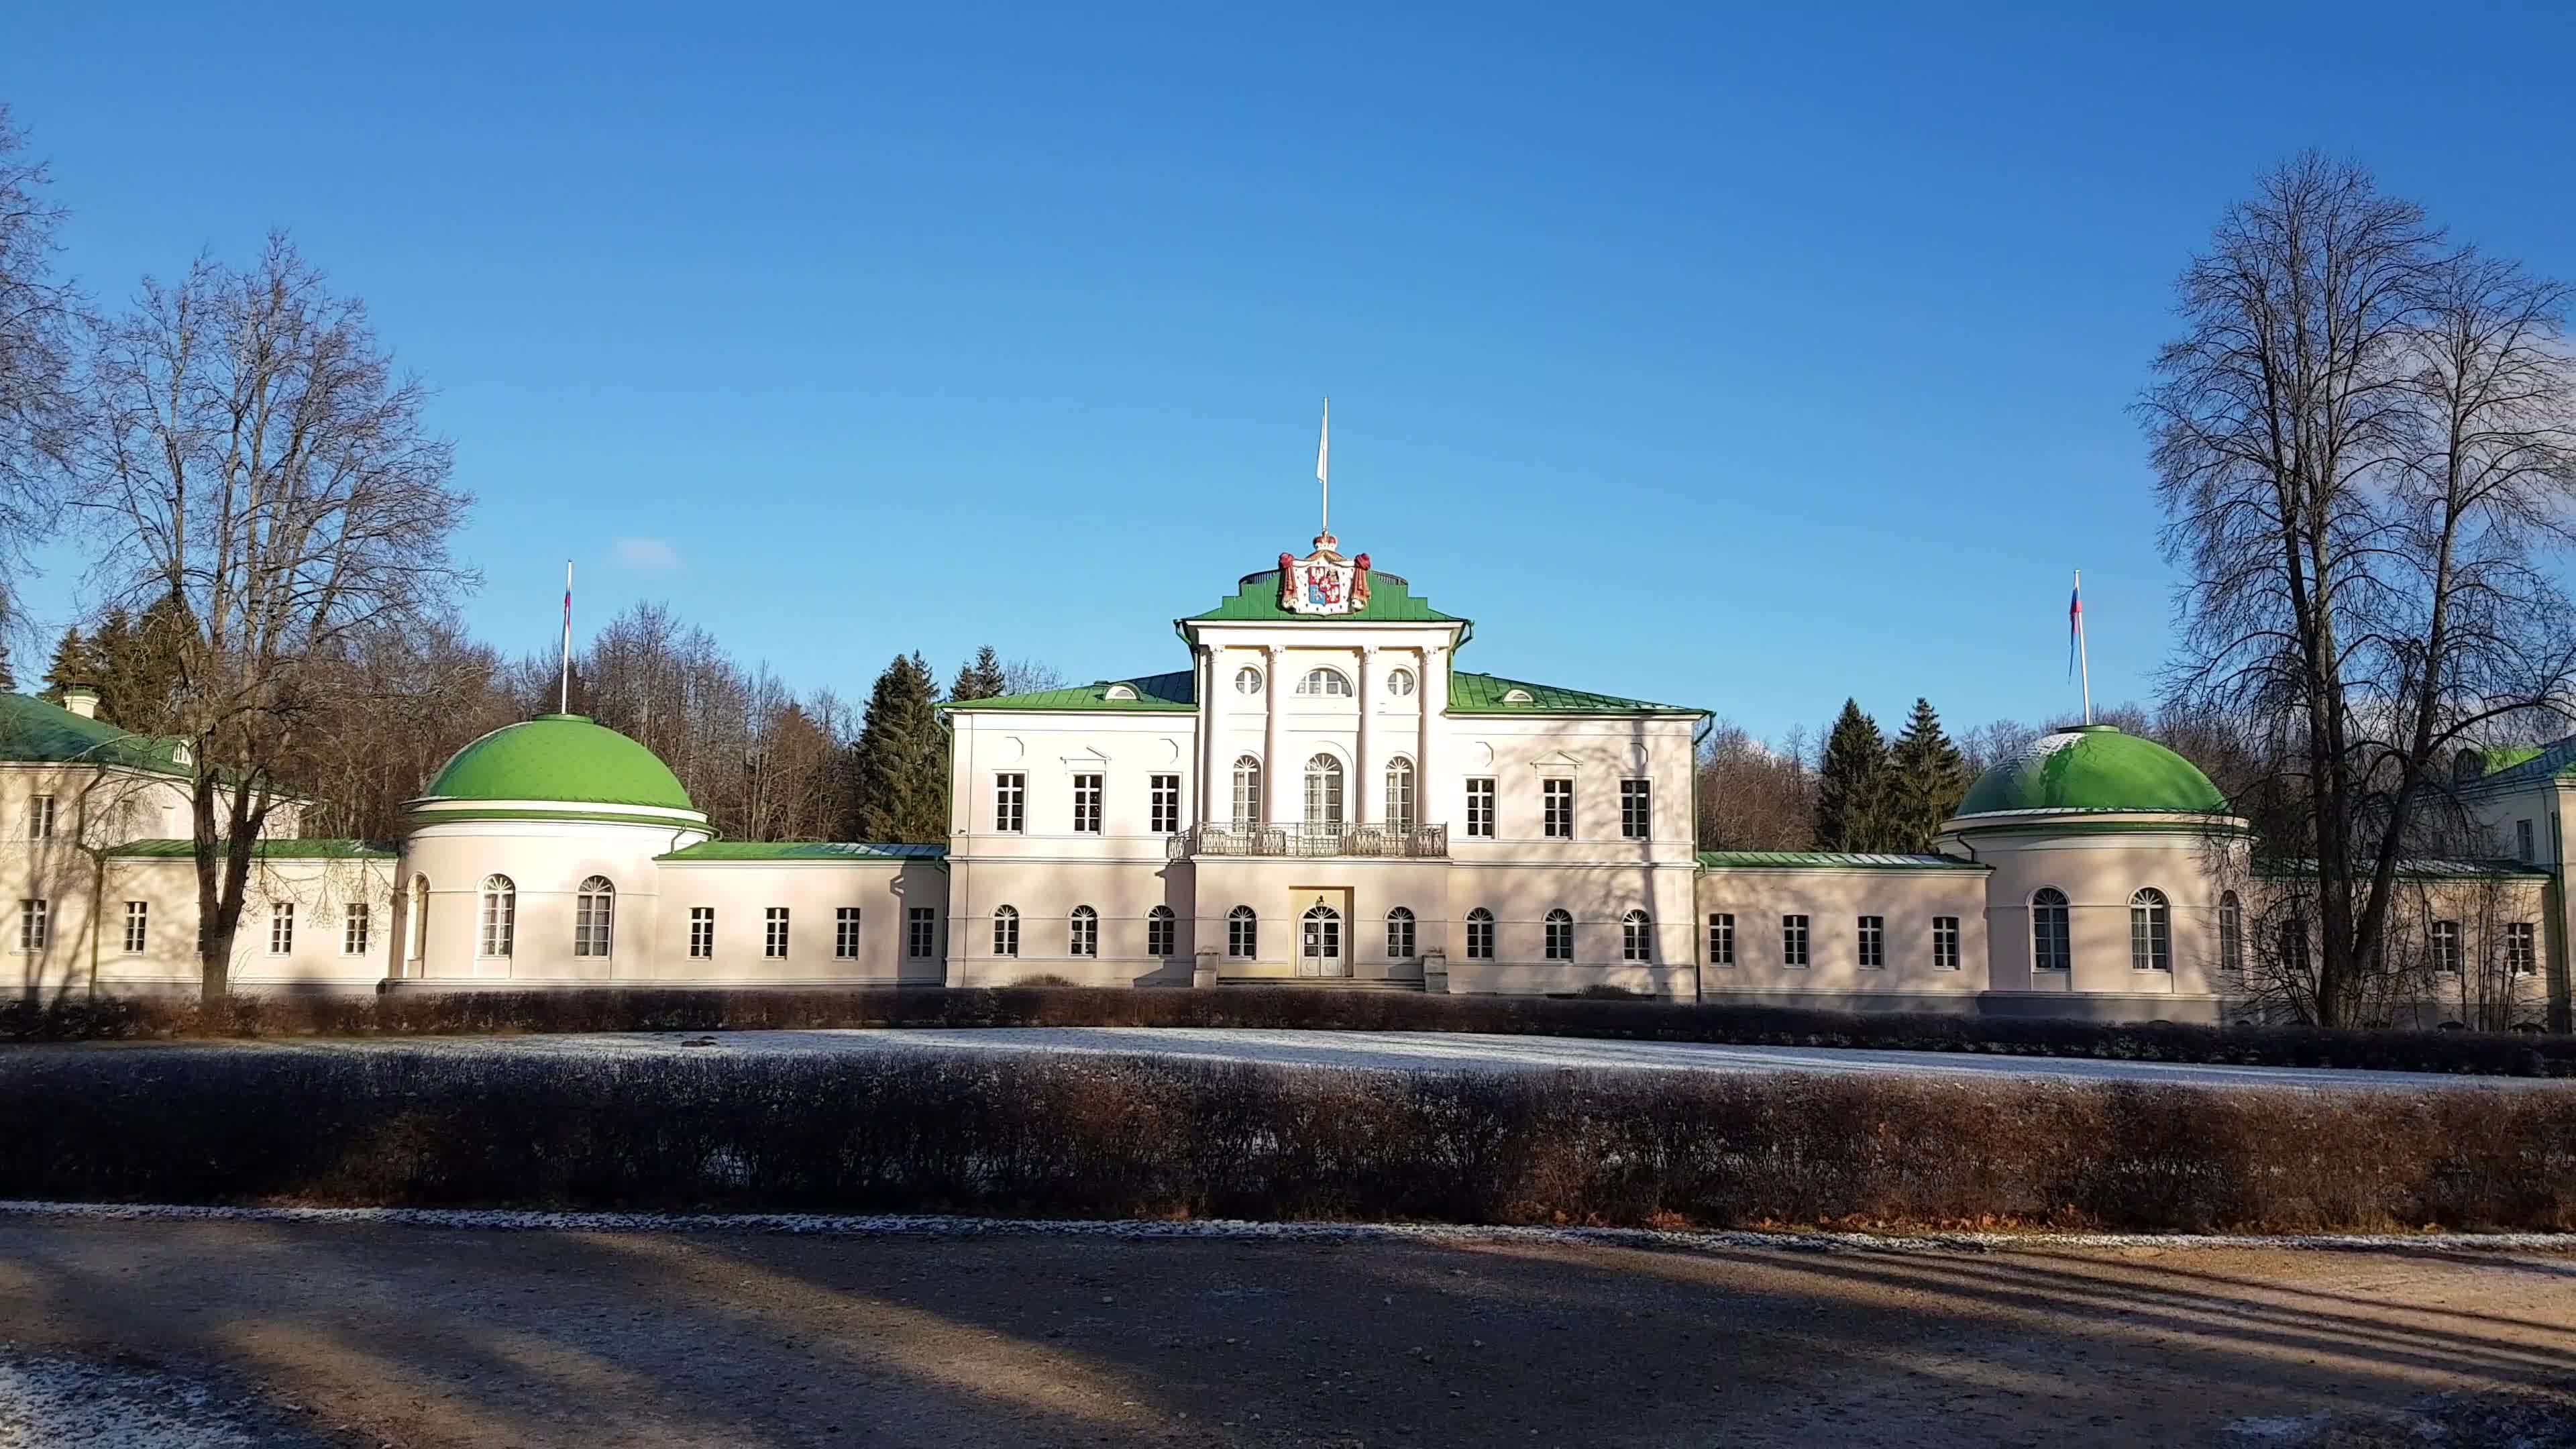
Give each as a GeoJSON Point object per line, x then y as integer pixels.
{"type": "Point", "coordinates": [2362, 442]}
{"type": "Point", "coordinates": [1755, 796]}
{"type": "Point", "coordinates": [1030, 676]}
{"type": "Point", "coordinates": [37, 327]}
{"type": "Point", "coordinates": [252, 452]}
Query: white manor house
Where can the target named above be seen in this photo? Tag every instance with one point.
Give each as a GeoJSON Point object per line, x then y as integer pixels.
{"type": "Point", "coordinates": [1320, 794]}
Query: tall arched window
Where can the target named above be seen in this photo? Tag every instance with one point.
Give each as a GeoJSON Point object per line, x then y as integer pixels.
{"type": "Point", "coordinates": [1158, 931]}
{"type": "Point", "coordinates": [419, 922]}
{"type": "Point", "coordinates": [1084, 937]}
{"type": "Point", "coordinates": [594, 916]}
{"type": "Point", "coordinates": [1323, 791]}
{"type": "Point", "coordinates": [2150, 931]}
{"type": "Point", "coordinates": [1242, 933]}
{"type": "Point", "coordinates": [1560, 935]}
{"type": "Point", "coordinates": [1480, 934]}
{"type": "Point", "coordinates": [1325, 682]}
{"type": "Point", "coordinates": [1399, 793]}
{"type": "Point", "coordinates": [1399, 935]}
{"type": "Point", "coordinates": [500, 915]}
{"type": "Point", "coordinates": [1638, 931]}
{"type": "Point", "coordinates": [1247, 793]}
{"type": "Point", "coordinates": [1006, 931]}
{"type": "Point", "coordinates": [2231, 933]}
{"type": "Point", "coordinates": [2052, 942]}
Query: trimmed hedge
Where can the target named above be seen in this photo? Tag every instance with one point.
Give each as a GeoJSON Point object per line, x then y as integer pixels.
{"type": "Point", "coordinates": [1159, 1137]}
{"type": "Point", "coordinates": [710, 1009]}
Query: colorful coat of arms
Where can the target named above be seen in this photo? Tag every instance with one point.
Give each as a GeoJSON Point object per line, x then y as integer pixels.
{"type": "Point", "coordinates": [1323, 582]}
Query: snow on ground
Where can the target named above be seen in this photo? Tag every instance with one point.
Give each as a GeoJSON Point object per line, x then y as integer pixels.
{"type": "Point", "coordinates": [49, 1402]}
{"type": "Point", "coordinates": [1419, 1051]}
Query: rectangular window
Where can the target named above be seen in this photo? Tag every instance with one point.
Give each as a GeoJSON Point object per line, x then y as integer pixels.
{"type": "Point", "coordinates": [281, 928]}
{"type": "Point", "coordinates": [1480, 936]}
{"type": "Point", "coordinates": [1945, 943]}
{"type": "Point", "coordinates": [1636, 810]}
{"type": "Point", "coordinates": [138, 926]}
{"type": "Point", "coordinates": [2446, 947]}
{"type": "Point", "coordinates": [1086, 804]}
{"type": "Point", "coordinates": [2521, 953]}
{"type": "Point", "coordinates": [1873, 942]}
{"type": "Point", "coordinates": [1721, 938]}
{"type": "Point", "coordinates": [355, 926]}
{"type": "Point", "coordinates": [1793, 940]}
{"type": "Point", "coordinates": [1480, 809]}
{"type": "Point", "coordinates": [702, 932]}
{"type": "Point", "coordinates": [1167, 804]}
{"type": "Point", "coordinates": [1557, 816]}
{"type": "Point", "coordinates": [35, 919]}
{"type": "Point", "coordinates": [774, 939]}
{"type": "Point", "coordinates": [1158, 932]}
{"type": "Point", "coordinates": [1011, 803]}
{"type": "Point", "coordinates": [2522, 846]}
{"type": "Point", "coordinates": [40, 818]}
{"type": "Point", "coordinates": [919, 933]}
{"type": "Point", "coordinates": [845, 932]}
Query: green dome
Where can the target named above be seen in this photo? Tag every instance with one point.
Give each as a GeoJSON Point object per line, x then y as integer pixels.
{"type": "Point", "coordinates": [2095, 767]}
{"type": "Point", "coordinates": [560, 757]}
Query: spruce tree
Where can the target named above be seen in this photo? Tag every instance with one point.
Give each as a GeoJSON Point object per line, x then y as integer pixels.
{"type": "Point", "coordinates": [901, 758]}
{"type": "Point", "coordinates": [72, 665]}
{"type": "Point", "coordinates": [980, 677]}
{"type": "Point", "coordinates": [1928, 779]}
{"type": "Point", "coordinates": [1851, 785]}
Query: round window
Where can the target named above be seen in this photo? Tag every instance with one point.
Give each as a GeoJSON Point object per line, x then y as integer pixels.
{"type": "Point", "coordinates": [1247, 681]}
{"type": "Point", "coordinates": [1400, 683]}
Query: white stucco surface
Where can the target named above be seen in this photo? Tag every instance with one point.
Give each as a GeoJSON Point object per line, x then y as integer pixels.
{"type": "Point", "coordinates": [1425, 1051]}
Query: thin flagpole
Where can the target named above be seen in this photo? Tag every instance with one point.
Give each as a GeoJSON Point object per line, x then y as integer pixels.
{"type": "Point", "coordinates": [2083, 659]}
{"type": "Point", "coordinates": [1324, 464]}
{"type": "Point", "coordinates": [563, 698]}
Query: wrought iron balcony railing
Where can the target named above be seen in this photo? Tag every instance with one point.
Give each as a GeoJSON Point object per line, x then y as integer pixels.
{"type": "Point", "coordinates": [1398, 841]}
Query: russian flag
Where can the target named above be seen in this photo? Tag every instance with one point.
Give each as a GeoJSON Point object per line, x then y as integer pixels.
{"type": "Point", "coordinates": [2074, 624]}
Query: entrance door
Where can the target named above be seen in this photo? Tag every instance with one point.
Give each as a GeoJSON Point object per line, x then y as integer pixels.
{"type": "Point", "coordinates": [1319, 943]}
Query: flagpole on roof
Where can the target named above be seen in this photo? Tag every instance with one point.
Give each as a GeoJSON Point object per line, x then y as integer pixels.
{"type": "Point", "coordinates": [2083, 659]}
{"type": "Point", "coordinates": [1324, 465]}
{"type": "Point", "coordinates": [563, 697]}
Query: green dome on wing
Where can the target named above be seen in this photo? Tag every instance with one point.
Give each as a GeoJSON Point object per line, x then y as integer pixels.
{"type": "Point", "coordinates": [560, 757]}
{"type": "Point", "coordinates": [2095, 767]}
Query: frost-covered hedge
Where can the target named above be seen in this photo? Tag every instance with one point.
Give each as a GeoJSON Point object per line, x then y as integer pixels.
{"type": "Point", "coordinates": [1123, 1137]}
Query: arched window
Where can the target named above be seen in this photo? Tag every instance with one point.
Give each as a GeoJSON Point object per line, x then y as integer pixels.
{"type": "Point", "coordinates": [500, 915]}
{"type": "Point", "coordinates": [1638, 932]}
{"type": "Point", "coordinates": [1158, 931]}
{"type": "Point", "coordinates": [2052, 943]}
{"type": "Point", "coordinates": [1119, 691]}
{"type": "Point", "coordinates": [1247, 793]}
{"type": "Point", "coordinates": [1006, 931]}
{"type": "Point", "coordinates": [1247, 680]}
{"type": "Point", "coordinates": [1325, 682]}
{"type": "Point", "coordinates": [1560, 935]}
{"type": "Point", "coordinates": [1242, 933]}
{"type": "Point", "coordinates": [1084, 938]}
{"type": "Point", "coordinates": [1323, 791]}
{"type": "Point", "coordinates": [594, 916]}
{"type": "Point", "coordinates": [2150, 931]}
{"type": "Point", "coordinates": [1399, 683]}
{"type": "Point", "coordinates": [419, 922]}
{"type": "Point", "coordinates": [2231, 933]}
{"type": "Point", "coordinates": [1480, 934]}
{"type": "Point", "coordinates": [1399, 935]}
{"type": "Point", "coordinates": [1399, 793]}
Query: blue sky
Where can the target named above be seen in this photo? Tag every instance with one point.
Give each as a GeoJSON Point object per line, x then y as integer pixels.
{"type": "Point", "coordinates": [1745, 361]}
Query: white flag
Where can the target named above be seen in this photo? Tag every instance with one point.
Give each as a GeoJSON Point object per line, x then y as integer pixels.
{"type": "Point", "coordinates": [1324, 448]}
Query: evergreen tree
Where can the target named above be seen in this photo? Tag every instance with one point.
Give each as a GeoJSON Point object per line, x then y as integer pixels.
{"type": "Point", "coordinates": [72, 665]}
{"type": "Point", "coordinates": [901, 758]}
{"type": "Point", "coordinates": [1852, 785]}
{"type": "Point", "coordinates": [981, 677]}
{"type": "Point", "coordinates": [1927, 780]}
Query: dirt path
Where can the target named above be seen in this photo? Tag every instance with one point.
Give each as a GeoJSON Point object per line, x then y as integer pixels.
{"type": "Point", "coordinates": [417, 1337]}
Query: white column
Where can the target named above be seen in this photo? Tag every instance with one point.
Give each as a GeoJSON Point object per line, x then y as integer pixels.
{"type": "Point", "coordinates": [1276, 777]}
{"type": "Point", "coordinates": [1205, 807]}
{"type": "Point", "coordinates": [1433, 790]}
{"type": "Point", "coordinates": [1365, 803]}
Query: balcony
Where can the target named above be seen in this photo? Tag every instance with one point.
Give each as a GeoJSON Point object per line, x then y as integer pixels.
{"type": "Point", "coordinates": [1388, 842]}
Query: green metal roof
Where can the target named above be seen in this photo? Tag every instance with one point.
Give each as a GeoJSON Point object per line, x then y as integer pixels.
{"type": "Point", "coordinates": [2415, 868]}
{"type": "Point", "coordinates": [1491, 694]}
{"type": "Point", "coordinates": [263, 850]}
{"type": "Point", "coordinates": [37, 731]}
{"type": "Point", "coordinates": [2528, 765]}
{"type": "Point", "coordinates": [2094, 768]}
{"type": "Point", "coordinates": [559, 757]}
{"type": "Point", "coordinates": [802, 850]}
{"type": "Point", "coordinates": [1255, 600]}
{"type": "Point", "coordinates": [1154, 693]}
{"type": "Point", "coordinates": [1829, 860]}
